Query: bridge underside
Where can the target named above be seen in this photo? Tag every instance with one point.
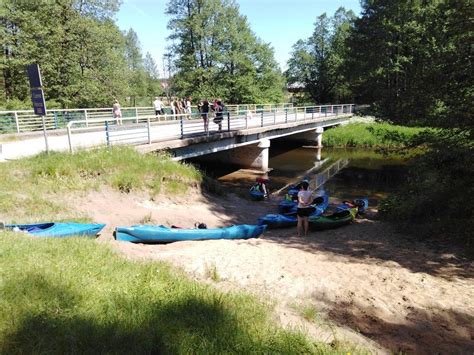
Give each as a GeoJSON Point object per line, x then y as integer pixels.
{"type": "Point", "coordinates": [247, 148]}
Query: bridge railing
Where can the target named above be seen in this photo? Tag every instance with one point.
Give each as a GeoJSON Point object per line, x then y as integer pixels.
{"type": "Point", "coordinates": [150, 129]}
{"type": "Point", "coordinates": [26, 121]}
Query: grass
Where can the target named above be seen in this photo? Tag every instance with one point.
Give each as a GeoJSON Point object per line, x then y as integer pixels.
{"type": "Point", "coordinates": [369, 135]}
{"type": "Point", "coordinates": [307, 311]}
{"type": "Point", "coordinates": [32, 189]}
{"type": "Point", "coordinates": [211, 273]}
{"type": "Point", "coordinates": [77, 296]}
{"type": "Point", "coordinates": [147, 219]}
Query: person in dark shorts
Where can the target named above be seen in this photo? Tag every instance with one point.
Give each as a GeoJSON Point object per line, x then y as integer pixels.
{"type": "Point", "coordinates": [305, 198]}
{"type": "Point", "coordinates": [204, 109]}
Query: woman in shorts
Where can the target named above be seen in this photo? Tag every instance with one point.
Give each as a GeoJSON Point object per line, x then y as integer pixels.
{"type": "Point", "coordinates": [305, 198]}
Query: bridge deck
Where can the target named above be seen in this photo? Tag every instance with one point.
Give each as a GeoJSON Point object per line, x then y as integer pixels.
{"type": "Point", "coordinates": [154, 135]}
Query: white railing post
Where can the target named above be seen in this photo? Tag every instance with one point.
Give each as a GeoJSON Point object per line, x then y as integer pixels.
{"type": "Point", "coordinates": [43, 119]}
{"type": "Point", "coordinates": [86, 118]}
{"type": "Point", "coordinates": [148, 125]}
{"type": "Point", "coordinates": [69, 138]}
{"type": "Point", "coordinates": [296, 114]}
{"type": "Point", "coordinates": [16, 122]}
{"type": "Point", "coordinates": [274, 117]}
{"type": "Point", "coordinates": [246, 121]}
{"type": "Point", "coordinates": [136, 115]}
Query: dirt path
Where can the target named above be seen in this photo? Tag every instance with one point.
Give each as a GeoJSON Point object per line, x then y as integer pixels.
{"type": "Point", "coordinates": [368, 284]}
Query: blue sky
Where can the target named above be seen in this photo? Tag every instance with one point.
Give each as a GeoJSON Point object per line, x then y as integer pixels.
{"type": "Point", "coordinates": [278, 22]}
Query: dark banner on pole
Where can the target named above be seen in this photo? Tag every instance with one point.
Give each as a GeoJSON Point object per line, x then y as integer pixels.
{"type": "Point", "coordinates": [39, 104]}
{"type": "Point", "coordinates": [34, 76]}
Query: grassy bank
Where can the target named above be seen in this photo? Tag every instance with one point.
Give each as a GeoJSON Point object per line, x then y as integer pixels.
{"type": "Point", "coordinates": [32, 189]}
{"type": "Point", "coordinates": [77, 296]}
{"type": "Point", "coordinates": [369, 135]}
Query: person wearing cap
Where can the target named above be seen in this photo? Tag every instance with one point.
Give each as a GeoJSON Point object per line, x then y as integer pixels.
{"type": "Point", "coordinates": [158, 105]}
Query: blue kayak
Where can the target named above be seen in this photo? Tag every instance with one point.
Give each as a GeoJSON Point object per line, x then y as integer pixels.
{"type": "Point", "coordinates": [162, 234]}
{"type": "Point", "coordinates": [361, 203]}
{"type": "Point", "coordinates": [289, 220]}
{"type": "Point", "coordinates": [286, 206]}
{"type": "Point", "coordinates": [58, 230]}
{"type": "Point", "coordinates": [277, 221]}
{"type": "Point", "coordinates": [320, 203]}
{"type": "Point", "coordinates": [256, 195]}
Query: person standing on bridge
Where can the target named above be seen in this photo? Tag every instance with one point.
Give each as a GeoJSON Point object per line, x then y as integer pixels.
{"type": "Point", "coordinates": [158, 105]}
{"type": "Point", "coordinates": [218, 113]}
{"type": "Point", "coordinates": [204, 109]}
{"type": "Point", "coordinates": [117, 112]}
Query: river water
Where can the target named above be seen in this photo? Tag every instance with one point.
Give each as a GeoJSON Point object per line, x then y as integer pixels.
{"type": "Point", "coordinates": [343, 173]}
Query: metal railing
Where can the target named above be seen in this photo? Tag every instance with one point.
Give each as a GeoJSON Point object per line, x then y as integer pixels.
{"type": "Point", "coordinates": [26, 121]}
{"type": "Point", "coordinates": [151, 129]}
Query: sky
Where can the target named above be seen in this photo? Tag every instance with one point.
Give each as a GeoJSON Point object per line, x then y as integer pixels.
{"type": "Point", "coordinates": [278, 22]}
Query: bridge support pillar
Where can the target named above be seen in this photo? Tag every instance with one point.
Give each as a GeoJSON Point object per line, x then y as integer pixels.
{"type": "Point", "coordinates": [312, 138]}
{"type": "Point", "coordinates": [319, 137]}
{"type": "Point", "coordinates": [252, 156]}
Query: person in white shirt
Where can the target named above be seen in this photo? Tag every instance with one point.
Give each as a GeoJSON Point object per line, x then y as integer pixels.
{"type": "Point", "coordinates": [305, 198]}
{"type": "Point", "coordinates": [158, 105]}
{"type": "Point", "coordinates": [188, 106]}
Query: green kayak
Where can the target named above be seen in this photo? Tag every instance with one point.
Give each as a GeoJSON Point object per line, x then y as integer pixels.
{"type": "Point", "coordinates": [337, 219]}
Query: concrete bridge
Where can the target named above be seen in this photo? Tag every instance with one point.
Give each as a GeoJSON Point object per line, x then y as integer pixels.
{"type": "Point", "coordinates": [243, 140]}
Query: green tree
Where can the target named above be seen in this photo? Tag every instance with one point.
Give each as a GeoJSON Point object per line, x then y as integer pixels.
{"type": "Point", "coordinates": [413, 60]}
{"type": "Point", "coordinates": [76, 43]}
{"type": "Point", "coordinates": [152, 76]}
{"type": "Point", "coordinates": [215, 54]}
{"type": "Point", "coordinates": [137, 78]}
{"type": "Point", "coordinates": [318, 62]}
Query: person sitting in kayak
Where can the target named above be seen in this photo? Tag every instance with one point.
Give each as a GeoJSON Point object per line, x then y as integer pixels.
{"type": "Point", "coordinates": [261, 187]}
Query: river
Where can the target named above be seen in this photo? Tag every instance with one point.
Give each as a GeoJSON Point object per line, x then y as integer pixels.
{"type": "Point", "coordinates": [343, 173]}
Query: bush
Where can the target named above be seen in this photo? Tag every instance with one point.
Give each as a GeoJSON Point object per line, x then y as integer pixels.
{"type": "Point", "coordinates": [436, 200]}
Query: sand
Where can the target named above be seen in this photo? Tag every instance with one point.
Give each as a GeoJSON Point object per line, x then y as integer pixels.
{"type": "Point", "coordinates": [370, 285]}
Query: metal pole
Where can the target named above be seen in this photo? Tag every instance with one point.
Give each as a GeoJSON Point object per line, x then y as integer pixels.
{"type": "Point", "coordinates": [107, 135]}
{"type": "Point", "coordinates": [86, 118]}
{"type": "Point", "coordinates": [148, 125]}
{"type": "Point", "coordinates": [16, 122]}
{"type": "Point", "coordinates": [69, 138]}
{"type": "Point", "coordinates": [261, 118]}
{"type": "Point", "coordinates": [45, 135]}
{"type": "Point", "coordinates": [228, 121]}
{"type": "Point", "coordinates": [296, 113]}
{"type": "Point", "coordinates": [274, 116]}
{"type": "Point", "coordinates": [286, 115]}
{"type": "Point", "coordinates": [181, 123]}
{"type": "Point", "coordinates": [136, 115]}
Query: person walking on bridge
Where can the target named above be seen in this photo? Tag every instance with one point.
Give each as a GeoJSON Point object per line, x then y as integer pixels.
{"type": "Point", "coordinates": [218, 113]}
{"type": "Point", "coordinates": [158, 105]}
{"type": "Point", "coordinates": [117, 112]}
{"type": "Point", "coordinates": [204, 109]}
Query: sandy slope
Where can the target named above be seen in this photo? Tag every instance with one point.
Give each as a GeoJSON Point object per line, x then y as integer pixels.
{"type": "Point", "coordinates": [369, 284]}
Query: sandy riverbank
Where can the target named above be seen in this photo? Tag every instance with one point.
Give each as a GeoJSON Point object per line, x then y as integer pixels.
{"type": "Point", "coordinates": [370, 285]}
